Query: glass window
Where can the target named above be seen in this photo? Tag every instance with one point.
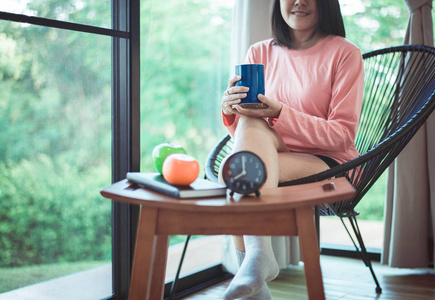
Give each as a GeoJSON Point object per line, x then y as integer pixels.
{"type": "Point", "coordinates": [55, 149]}
{"type": "Point", "coordinates": [370, 25]}
{"type": "Point", "coordinates": [185, 59]}
{"type": "Point", "coordinates": [374, 25]}
{"type": "Point", "coordinates": [95, 13]}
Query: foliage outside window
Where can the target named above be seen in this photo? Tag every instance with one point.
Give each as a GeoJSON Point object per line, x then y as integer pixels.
{"type": "Point", "coordinates": [55, 143]}
{"type": "Point", "coordinates": [185, 54]}
{"type": "Point", "coordinates": [373, 25]}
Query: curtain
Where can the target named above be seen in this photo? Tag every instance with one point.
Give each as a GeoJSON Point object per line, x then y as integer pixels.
{"type": "Point", "coordinates": [410, 205]}
{"type": "Point", "coordinates": [251, 24]}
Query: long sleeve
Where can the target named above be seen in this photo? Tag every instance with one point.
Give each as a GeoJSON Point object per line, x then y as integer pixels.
{"type": "Point", "coordinates": [321, 90]}
{"type": "Point", "coordinates": [335, 132]}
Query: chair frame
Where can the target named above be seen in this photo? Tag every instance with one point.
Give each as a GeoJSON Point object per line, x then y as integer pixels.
{"type": "Point", "coordinates": [376, 159]}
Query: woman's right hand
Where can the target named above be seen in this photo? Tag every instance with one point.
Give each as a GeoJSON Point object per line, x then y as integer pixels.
{"type": "Point", "coordinates": [233, 95]}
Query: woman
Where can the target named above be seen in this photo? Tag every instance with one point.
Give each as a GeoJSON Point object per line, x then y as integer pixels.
{"type": "Point", "coordinates": [314, 87]}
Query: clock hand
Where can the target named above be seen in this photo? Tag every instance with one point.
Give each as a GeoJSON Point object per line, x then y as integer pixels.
{"type": "Point", "coordinates": [243, 164]}
{"type": "Point", "coordinates": [240, 175]}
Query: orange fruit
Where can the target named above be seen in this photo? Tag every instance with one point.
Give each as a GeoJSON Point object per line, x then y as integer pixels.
{"type": "Point", "coordinates": [180, 169]}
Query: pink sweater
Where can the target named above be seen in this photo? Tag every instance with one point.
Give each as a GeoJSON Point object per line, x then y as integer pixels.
{"type": "Point", "coordinates": [321, 89]}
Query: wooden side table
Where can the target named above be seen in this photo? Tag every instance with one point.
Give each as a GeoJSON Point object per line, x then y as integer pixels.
{"type": "Point", "coordinates": [284, 211]}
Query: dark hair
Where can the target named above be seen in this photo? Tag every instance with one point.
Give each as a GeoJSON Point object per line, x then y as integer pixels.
{"type": "Point", "coordinates": [329, 21]}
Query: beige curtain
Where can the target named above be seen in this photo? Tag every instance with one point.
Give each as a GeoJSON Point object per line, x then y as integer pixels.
{"type": "Point", "coordinates": [251, 24]}
{"type": "Point", "coordinates": [410, 207]}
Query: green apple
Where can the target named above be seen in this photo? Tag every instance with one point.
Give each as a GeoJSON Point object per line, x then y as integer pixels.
{"type": "Point", "coordinates": [162, 151]}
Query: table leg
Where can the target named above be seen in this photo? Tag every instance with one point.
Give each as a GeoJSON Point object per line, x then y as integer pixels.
{"type": "Point", "coordinates": [310, 252]}
{"type": "Point", "coordinates": [159, 267]}
{"type": "Point", "coordinates": [143, 254]}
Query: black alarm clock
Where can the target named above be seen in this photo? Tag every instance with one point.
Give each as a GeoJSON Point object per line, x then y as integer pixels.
{"type": "Point", "coordinates": [244, 173]}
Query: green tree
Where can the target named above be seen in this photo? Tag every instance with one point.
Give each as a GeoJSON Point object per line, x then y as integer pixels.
{"type": "Point", "coordinates": [378, 24]}
{"type": "Point", "coordinates": [55, 122]}
{"type": "Point", "coordinates": [185, 55]}
{"type": "Point", "coordinates": [45, 221]}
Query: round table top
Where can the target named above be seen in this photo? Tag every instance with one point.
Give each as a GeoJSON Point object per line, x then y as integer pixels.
{"type": "Point", "coordinates": [310, 194]}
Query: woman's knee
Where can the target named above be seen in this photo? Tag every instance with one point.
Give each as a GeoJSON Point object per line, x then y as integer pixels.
{"type": "Point", "coordinates": [257, 131]}
{"type": "Point", "coordinates": [250, 126]}
{"type": "Point", "coordinates": [247, 122]}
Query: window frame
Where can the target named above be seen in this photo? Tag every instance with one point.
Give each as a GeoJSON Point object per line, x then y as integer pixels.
{"type": "Point", "coordinates": [125, 137]}
{"type": "Point", "coordinates": [125, 121]}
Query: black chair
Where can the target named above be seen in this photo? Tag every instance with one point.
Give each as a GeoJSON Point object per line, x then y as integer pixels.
{"type": "Point", "coordinates": [399, 95]}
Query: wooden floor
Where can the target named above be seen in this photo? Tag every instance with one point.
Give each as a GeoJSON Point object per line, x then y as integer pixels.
{"type": "Point", "coordinates": [347, 279]}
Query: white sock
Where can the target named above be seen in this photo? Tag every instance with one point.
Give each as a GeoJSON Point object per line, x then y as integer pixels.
{"type": "Point", "coordinates": [258, 267]}
{"type": "Point", "coordinates": [263, 294]}
{"type": "Point", "coordinates": [240, 257]}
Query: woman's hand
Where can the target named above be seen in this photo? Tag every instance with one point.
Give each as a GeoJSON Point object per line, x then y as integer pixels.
{"type": "Point", "coordinates": [233, 95]}
{"type": "Point", "coordinates": [232, 98]}
{"type": "Point", "coordinates": [272, 111]}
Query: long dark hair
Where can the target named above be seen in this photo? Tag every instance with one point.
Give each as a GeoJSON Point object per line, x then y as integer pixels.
{"type": "Point", "coordinates": [329, 21]}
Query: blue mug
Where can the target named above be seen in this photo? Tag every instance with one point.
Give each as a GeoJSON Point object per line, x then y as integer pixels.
{"type": "Point", "coordinates": [252, 77]}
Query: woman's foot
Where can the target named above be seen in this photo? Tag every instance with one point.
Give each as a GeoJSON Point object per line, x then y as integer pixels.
{"type": "Point", "coordinates": [263, 294]}
{"type": "Point", "coordinates": [258, 267]}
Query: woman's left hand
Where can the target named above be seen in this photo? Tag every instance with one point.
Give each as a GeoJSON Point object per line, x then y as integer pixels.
{"type": "Point", "coordinates": [273, 110]}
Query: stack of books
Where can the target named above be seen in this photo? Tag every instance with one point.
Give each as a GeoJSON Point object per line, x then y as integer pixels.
{"type": "Point", "coordinates": [200, 188]}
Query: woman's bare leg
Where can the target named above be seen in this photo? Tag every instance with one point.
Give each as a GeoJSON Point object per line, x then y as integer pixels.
{"type": "Point", "coordinates": [254, 134]}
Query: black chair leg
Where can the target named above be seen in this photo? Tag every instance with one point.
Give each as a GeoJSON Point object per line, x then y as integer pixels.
{"type": "Point", "coordinates": [362, 251]}
{"type": "Point", "coordinates": [177, 275]}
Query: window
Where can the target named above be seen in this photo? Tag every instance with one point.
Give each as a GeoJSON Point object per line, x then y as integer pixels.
{"type": "Point", "coordinates": [185, 54]}
{"type": "Point", "coordinates": [58, 73]}
{"type": "Point", "coordinates": [185, 66]}
{"type": "Point", "coordinates": [94, 13]}
{"type": "Point", "coordinates": [370, 25]}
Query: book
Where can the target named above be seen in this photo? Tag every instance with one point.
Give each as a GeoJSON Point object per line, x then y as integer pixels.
{"type": "Point", "coordinates": [197, 189]}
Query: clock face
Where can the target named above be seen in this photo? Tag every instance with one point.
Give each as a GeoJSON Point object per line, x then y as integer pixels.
{"type": "Point", "coordinates": [244, 172]}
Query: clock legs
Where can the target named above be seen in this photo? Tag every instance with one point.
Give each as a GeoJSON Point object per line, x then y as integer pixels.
{"type": "Point", "coordinates": [257, 193]}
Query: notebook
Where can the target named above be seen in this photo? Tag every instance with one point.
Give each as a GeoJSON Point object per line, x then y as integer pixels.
{"type": "Point", "coordinates": [198, 189]}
